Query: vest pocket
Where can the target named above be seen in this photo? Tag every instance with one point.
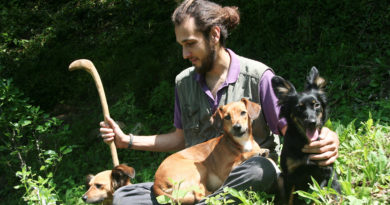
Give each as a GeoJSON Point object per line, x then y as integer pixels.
{"type": "Point", "coordinates": [191, 125]}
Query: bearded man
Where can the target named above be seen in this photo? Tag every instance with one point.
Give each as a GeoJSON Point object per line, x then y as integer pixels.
{"type": "Point", "coordinates": [218, 76]}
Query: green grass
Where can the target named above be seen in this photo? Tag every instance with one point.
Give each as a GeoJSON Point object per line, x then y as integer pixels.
{"type": "Point", "coordinates": [363, 164]}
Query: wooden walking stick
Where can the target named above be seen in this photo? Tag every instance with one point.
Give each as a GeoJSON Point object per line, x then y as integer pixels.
{"type": "Point", "coordinates": [88, 66]}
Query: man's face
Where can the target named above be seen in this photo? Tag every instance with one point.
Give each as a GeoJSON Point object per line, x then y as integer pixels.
{"type": "Point", "coordinates": [195, 46]}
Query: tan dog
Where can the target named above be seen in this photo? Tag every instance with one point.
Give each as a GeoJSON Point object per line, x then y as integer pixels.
{"type": "Point", "coordinates": [103, 184]}
{"type": "Point", "coordinates": [207, 165]}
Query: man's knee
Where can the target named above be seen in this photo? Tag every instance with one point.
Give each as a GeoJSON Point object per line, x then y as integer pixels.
{"type": "Point", "coordinates": [261, 173]}
{"type": "Point", "coordinates": [120, 194]}
{"type": "Point", "coordinates": [140, 193]}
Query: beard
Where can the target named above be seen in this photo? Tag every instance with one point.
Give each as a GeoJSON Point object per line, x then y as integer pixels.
{"type": "Point", "coordinates": [208, 62]}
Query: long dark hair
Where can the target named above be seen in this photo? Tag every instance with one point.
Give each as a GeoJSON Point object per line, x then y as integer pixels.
{"type": "Point", "coordinates": [208, 14]}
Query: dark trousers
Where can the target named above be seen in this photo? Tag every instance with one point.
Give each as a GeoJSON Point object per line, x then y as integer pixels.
{"type": "Point", "coordinates": [257, 173]}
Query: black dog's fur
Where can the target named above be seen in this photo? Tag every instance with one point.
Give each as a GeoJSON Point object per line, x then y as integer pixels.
{"type": "Point", "coordinates": [306, 113]}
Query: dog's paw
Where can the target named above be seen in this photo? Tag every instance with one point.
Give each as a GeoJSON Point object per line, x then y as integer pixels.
{"type": "Point", "coordinates": [264, 152]}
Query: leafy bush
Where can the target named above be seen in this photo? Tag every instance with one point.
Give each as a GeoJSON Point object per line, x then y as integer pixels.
{"type": "Point", "coordinates": [30, 143]}
{"type": "Point", "coordinates": [244, 197]}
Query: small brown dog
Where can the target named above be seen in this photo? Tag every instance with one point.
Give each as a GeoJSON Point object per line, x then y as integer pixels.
{"type": "Point", "coordinates": [207, 165]}
{"type": "Point", "coordinates": [103, 184]}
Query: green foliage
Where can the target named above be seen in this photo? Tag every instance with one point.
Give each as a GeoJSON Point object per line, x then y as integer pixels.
{"type": "Point", "coordinates": [368, 180]}
{"type": "Point", "coordinates": [41, 189]}
{"type": "Point", "coordinates": [38, 190]}
{"type": "Point", "coordinates": [160, 108]}
{"type": "Point", "coordinates": [73, 192]}
{"type": "Point", "coordinates": [150, 119]}
{"type": "Point", "coordinates": [107, 32]}
{"type": "Point", "coordinates": [28, 143]}
{"type": "Point", "coordinates": [242, 197]}
{"type": "Point", "coordinates": [177, 193]}
{"type": "Point", "coordinates": [318, 195]}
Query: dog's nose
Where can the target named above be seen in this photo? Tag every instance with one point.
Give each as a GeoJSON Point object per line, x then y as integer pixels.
{"type": "Point", "coordinates": [311, 121]}
{"type": "Point", "coordinates": [237, 127]}
{"type": "Point", "coordinates": [84, 198]}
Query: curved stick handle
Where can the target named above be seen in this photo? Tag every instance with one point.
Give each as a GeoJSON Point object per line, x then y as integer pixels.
{"type": "Point", "coordinates": [88, 66]}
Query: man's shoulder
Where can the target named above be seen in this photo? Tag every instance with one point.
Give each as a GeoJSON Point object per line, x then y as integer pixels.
{"type": "Point", "coordinates": [252, 67]}
{"type": "Point", "coordinates": [187, 73]}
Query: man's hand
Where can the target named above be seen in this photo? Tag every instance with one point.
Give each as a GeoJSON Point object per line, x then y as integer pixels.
{"type": "Point", "coordinates": [325, 150]}
{"type": "Point", "coordinates": [111, 131]}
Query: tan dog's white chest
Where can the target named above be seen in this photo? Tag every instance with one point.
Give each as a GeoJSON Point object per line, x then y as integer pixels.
{"type": "Point", "coordinates": [213, 182]}
{"type": "Point", "coordinates": [244, 142]}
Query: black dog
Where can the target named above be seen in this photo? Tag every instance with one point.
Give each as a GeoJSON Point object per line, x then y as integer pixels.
{"type": "Point", "coordinates": [306, 113]}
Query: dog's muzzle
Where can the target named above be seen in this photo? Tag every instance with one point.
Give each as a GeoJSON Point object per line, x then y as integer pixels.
{"type": "Point", "coordinates": [238, 130]}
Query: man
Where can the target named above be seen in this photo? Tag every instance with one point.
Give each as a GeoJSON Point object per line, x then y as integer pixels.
{"type": "Point", "coordinates": [218, 76]}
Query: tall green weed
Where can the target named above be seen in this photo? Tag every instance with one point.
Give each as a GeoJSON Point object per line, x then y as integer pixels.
{"type": "Point", "coordinates": [30, 147]}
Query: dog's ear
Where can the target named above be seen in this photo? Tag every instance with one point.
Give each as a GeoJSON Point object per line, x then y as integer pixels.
{"type": "Point", "coordinates": [121, 175]}
{"type": "Point", "coordinates": [314, 80]}
{"type": "Point", "coordinates": [88, 178]}
{"type": "Point", "coordinates": [216, 118]}
{"type": "Point", "coordinates": [252, 108]}
{"type": "Point", "coordinates": [282, 87]}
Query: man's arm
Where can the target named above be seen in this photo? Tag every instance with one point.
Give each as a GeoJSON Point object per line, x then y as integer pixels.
{"type": "Point", "coordinates": [269, 104]}
{"type": "Point", "coordinates": [173, 141]}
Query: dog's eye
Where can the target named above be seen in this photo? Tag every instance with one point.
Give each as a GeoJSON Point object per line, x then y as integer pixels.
{"type": "Point", "coordinates": [227, 117]}
{"type": "Point", "coordinates": [243, 113]}
{"type": "Point", "coordinates": [98, 186]}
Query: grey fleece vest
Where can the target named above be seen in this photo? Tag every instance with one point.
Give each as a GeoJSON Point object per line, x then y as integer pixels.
{"type": "Point", "coordinates": [196, 110]}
